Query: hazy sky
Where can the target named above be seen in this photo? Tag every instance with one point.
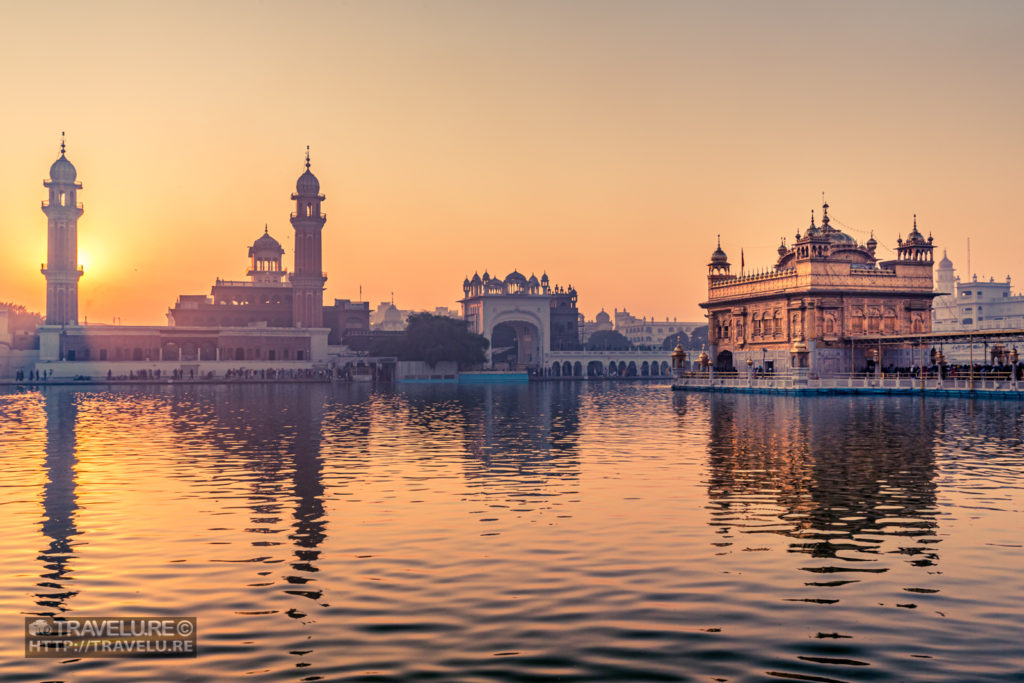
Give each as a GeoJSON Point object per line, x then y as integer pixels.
{"type": "Point", "coordinates": [604, 142]}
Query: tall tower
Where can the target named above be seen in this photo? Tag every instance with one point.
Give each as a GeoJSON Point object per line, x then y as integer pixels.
{"type": "Point", "coordinates": [61, 268]}
{"type": "Point", "coordinates": [308, 277]}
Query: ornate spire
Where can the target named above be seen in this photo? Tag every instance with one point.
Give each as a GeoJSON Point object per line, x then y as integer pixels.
{"type": "Point", "coordinates": [824, 211]}
{"type": "Point", "coordinates": [307, 157]}
{"type": "Point", "coordinates": [266, 229]}
{"type": "Point", "coordinates": [62, 143]}
{"type": "Point", "coordinates": [812, 218]}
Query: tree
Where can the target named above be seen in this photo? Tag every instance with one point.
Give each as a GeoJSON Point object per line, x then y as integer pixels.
{"type": "Point", "coordinates": [678, 337]}
{"type": "Point", "coordinates": [699, 337]}
{"type": "Point", "coordinates": [434, 338]}
{"type": "Point", "coordinates": [608, 340]}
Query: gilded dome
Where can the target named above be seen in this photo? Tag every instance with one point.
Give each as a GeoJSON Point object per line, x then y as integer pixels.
{"type": "Point", "coordinates": [915, 237]}
{"type": "Point", "coordinates": [718, 256]}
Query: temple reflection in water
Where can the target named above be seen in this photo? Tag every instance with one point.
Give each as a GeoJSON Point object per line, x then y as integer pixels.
{"type": "Point", "coordinates": [835, 474]}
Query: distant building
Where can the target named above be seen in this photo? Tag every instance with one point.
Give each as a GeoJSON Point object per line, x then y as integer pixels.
{"type": "Point", "coordinates": [650, 333]}
{"type": "Point", "coordinates": [823, 290]}
{"type": "Point", "coordinates": [974, 304]}
{"type": "Point", "coordinates": [523, 318]}
{"type": "Point", "coordinates": [388, 318]}
{"type": "Point", "coordinates": [602, 322]}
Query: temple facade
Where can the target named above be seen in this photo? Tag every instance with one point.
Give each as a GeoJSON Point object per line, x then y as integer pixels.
{"type": "Point", "coordinates": [823, 291]}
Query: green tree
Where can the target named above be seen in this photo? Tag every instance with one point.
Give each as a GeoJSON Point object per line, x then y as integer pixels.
{"type": "Point", "coordinates": [608, 340]}
{"type": "Point", "coordinates": [699, 337]}
{"type": "Point", "coordinates": [434, 338]}
{"type": "Point", "coordinates": [678, 337]}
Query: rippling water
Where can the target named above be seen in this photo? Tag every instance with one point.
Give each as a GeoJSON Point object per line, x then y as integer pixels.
{"type": "Point", "coordinates": [546, 532]}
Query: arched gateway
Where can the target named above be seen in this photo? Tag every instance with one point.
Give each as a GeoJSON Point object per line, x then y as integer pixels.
{"type": "Point", "coordinates": [524, 319]}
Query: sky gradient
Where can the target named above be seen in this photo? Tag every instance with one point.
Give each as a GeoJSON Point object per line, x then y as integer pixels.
{"type": "Point", "coordinates": [606, 143]}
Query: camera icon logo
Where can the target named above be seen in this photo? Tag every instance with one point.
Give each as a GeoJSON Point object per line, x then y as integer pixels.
{"type": "Point", "coordinates": [41, 627]}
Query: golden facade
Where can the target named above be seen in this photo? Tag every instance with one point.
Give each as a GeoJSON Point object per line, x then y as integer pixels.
{"type": "Point", "coordinates": [823, 291]}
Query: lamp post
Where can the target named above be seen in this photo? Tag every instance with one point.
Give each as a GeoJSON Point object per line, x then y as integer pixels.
{"type": "Point", "coordinates": [750, 371]}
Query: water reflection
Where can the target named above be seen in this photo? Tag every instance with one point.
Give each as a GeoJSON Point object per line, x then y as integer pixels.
{"type": "Point", "coordinates": [442, 532]}
{"type": "Point", "coordinates": [519, 434]}
{"type": "Point", "coordinates": [839, 476]}
{"type": "Point", "coordinates": [60, 501]}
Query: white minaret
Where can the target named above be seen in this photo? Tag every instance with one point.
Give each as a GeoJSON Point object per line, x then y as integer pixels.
{"type": "Point", "coordinates": [944, 308]}
{"type": "Point", "coordinates": [61, 268]}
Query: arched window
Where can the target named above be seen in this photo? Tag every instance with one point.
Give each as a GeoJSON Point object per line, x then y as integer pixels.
{"type": "Point", "coordinates": [309, 209]}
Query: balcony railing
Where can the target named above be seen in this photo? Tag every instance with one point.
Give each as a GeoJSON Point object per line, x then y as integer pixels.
{"type": "Point", "coordinates": [46, 205]}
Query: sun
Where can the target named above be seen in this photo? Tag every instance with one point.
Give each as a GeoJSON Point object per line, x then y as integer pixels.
{"type": "Point", "coordinates": [86, 260]}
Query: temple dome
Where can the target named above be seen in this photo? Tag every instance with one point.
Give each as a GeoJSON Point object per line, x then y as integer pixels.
{"type": "Point", "coordinates": [515, 276]}
{"type": "Point", "coordinates": [63, 171]}
{"type": "Point", "coordinates": [915, 238]}
{"type": "Point", "coordinates": [718, 256]}
{"type": "Point", "coordinates": [945, 262]}
{"type": "Point", "coordinates": [266, 243]}
{"type": "Point", "coordinates": [841, 238]}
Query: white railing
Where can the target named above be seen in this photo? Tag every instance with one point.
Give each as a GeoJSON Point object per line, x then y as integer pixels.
{"type": "Point", "coordinates": [793, 380]}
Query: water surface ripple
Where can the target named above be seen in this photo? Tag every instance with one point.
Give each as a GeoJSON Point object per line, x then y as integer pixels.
{"type": "Point", "coordinates": [558, 531]}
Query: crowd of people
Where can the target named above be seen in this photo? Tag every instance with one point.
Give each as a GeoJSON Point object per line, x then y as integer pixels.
{"type": "Point", "coordinates": [191, 375]}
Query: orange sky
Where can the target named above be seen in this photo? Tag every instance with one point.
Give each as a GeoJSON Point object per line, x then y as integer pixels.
{"type": "Point", "coordinates": [607, 143]}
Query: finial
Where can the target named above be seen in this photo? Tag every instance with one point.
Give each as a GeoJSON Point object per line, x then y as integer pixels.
{"type": "Point", "coordinates": [812, 219]}
{"type": "Point", "coordinates": [307, 157]}
{"type": "Point", "coordinates": [266, 229]}
{"type": "Point", "coordinates": [824, 211]}
{"type": "Point", "coordinates": [915, 221]}
{"type": "Point", "coordinates": [62, 143]}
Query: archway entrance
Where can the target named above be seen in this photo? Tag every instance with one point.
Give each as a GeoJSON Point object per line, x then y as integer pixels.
{"type": "Point", "coordinates": [515, 345]}
{"type": "Point", "coordinates": [724, 361]}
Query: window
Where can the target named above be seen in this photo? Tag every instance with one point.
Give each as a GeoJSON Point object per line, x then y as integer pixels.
{"type": "Point", "coordinates": [965, 292]}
